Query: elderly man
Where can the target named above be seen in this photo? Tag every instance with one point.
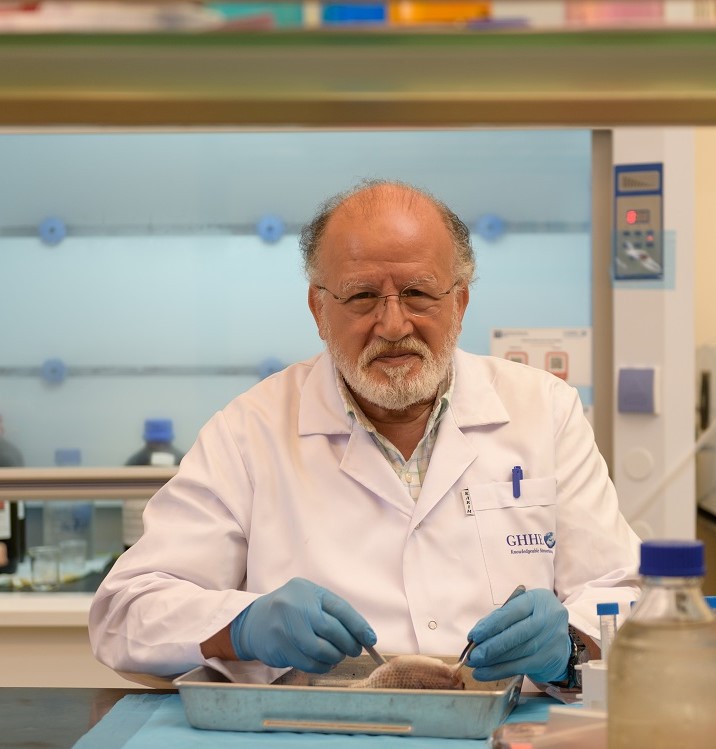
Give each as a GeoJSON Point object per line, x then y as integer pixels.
{"type": "Point", "coordinates": [393, 489]}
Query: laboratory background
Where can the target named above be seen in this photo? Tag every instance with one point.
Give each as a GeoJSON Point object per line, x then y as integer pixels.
{"type": "Point", "coordinates": [149, 243]}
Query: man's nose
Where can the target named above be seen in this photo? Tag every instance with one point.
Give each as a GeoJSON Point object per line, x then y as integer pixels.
{"type": "Point", "coordinates": [393, 321]}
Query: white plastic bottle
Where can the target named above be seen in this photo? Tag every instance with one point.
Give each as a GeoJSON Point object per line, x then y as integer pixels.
{"type": "Point", "coordinates": [662, 664]}
{"type": "Point", "coordinates": [607, 613]}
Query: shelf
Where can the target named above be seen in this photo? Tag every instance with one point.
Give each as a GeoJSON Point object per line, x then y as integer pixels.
{"type": "Point", "coordinates": [388, 78]}
{"type": "Point", "coordinates": [135, 482]}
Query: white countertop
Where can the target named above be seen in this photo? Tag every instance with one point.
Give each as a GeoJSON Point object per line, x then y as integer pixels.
{"type": "Point", "coordinates": [30, 609]}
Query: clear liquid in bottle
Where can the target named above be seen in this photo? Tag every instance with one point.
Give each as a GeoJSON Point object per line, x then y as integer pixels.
{"type": "Point", "coordinates": [662, 682]}
{"type": "Point", "coordinates": [662, 664]}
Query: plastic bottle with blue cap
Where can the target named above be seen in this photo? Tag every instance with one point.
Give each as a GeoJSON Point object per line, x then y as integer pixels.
{"type": "Point", "coordinates": [607, 613]}
{"type": "Point", "coordinates": [662, 665]}
{"type": "Point", "coordinates": [594, 672]}
{"type": "Point", "coordinates": [158, 450]}
{"type": "Point", "coordinates": [67, 521]}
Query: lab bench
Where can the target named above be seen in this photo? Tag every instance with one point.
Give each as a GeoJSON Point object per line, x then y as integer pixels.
{"type": "Point", "coordinates": [44, 639]}
{"type": "Point", "coordinates": [44, 642]}
{"type": "Point", "coordinates": [53, 718]}
{"type": "Point", "coordinates": [43, 635]}
{"type": "Point", "coordinates": [59, 718]}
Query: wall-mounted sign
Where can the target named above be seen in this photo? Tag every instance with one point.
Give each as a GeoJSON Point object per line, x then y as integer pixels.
{"type": "Point", "coordinates": [566, 352]}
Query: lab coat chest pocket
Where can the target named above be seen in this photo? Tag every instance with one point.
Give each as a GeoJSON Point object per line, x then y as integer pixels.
{"type": "Point", "coordinates": [518, 535]}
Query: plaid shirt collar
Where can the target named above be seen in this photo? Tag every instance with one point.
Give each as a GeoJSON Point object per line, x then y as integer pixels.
{"type": "Point", "coordinates": [440, 406]}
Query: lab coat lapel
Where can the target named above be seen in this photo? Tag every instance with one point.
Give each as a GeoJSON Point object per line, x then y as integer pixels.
{"type": "Point", "coordinates": [322, 412]}
{"type": "Point", "coordinates": [453, 454]}
{"type": "Point", "coordinates": [364, 462]}
{"type": "Point", "coordinates": [474, 404]}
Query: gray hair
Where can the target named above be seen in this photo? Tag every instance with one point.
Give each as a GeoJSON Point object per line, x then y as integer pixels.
{"type": "Point", "coordinates": [312, 233]}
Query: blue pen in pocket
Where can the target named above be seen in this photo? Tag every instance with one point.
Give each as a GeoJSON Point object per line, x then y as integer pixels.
{"type": "Point", "coordinates": [517, 476]}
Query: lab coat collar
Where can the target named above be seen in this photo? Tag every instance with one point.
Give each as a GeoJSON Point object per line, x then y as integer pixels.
{"type": "Point", "coordinates": [475, 401]}
{"type": "Point", "coordinates": [321, 410]}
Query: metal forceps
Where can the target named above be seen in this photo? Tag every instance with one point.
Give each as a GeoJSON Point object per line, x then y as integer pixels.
{"type": "Point", "coordinates": [518, 591]}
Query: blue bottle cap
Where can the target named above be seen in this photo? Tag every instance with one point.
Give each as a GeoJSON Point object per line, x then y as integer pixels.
{"type": "Point", "coordinates": [711, 601]}
{"type": "Point", "coordinates": [68, 456]}
{"type": "Point", "coordinates": [672, 558]}
{"type": "Point", "coordinates": [605, 609]}
{"type": "Point", "coordinates": [158, 430]}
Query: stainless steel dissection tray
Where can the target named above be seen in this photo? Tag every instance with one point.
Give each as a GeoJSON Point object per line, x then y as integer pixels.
{"type": "Point", "coordinates": [326, 703]}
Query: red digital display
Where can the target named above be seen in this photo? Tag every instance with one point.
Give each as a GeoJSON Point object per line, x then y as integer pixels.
{"type": "Point", "coordinates": [637, 216]}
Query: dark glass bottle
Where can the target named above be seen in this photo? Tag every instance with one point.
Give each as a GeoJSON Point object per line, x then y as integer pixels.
{"type": "Point", "coordinates": [158, 450]}
{"type": "Point", "coordinates": [12, 514]}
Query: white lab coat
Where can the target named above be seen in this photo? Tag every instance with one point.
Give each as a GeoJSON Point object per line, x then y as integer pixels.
{"type": "Point", "coordinates": [282, 483]}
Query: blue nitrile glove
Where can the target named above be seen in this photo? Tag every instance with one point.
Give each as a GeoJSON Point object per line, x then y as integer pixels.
{"type": "Point", "coordinates": [301, 625]}
{"type": "Point", "coordinates": [528, 635]}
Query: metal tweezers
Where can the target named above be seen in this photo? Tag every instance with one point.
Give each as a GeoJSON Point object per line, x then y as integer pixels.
{"type": "Point", "coordinates": [518, 591]}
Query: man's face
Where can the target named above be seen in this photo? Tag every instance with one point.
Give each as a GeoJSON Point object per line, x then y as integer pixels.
{"type": "Point", "coordinates": [389, 357]}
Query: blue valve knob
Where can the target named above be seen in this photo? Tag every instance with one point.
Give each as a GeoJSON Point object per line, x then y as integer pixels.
{"type": "Point", "coordinates": [270, 366]}
{"type": "Point", "coordinates": [54, 371]}
{"type": "Point", "coordinates": [270, 228]}
{"type": "Point", "coordinates": [490, 226]}
{"type": "Point", "coordinates": [52, 231]}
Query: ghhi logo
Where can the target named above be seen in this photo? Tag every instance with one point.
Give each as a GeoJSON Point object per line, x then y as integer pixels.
{"type": "Point", "coordinates": [531, 543]}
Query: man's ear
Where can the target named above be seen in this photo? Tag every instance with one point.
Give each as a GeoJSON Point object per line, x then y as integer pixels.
{"type": "Point", "coordinates": [463, 301]}
{"type": "Point", "coordinates": [315, 304]}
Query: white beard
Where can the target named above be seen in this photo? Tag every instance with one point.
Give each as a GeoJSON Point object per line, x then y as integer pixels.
{"type": "Point", "coordinates": [405, 387]}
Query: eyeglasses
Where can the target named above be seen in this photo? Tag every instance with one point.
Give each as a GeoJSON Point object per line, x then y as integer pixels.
{"type": "Point", "coordinates": [419, 300]}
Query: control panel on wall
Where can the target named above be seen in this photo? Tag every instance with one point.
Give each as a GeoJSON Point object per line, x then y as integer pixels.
{"type": "Point", "coordinates": [638, 202]}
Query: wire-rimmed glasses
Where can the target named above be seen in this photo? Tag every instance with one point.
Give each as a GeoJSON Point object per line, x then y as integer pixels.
{"type": "Point", "coordinates": [419, 300]}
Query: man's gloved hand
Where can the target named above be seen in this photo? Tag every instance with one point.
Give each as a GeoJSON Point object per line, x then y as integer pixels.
{"type": "Point", "coordinates": [301, 625]}
{"type": "Point", "coordinates": [528, 635]}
